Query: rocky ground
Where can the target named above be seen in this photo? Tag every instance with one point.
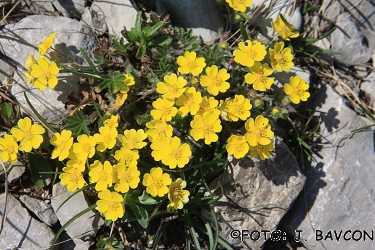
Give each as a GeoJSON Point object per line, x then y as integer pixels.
{"type": "Point", "coordinates": [333, 191]}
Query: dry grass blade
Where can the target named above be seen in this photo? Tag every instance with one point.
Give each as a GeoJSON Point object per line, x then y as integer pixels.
{"type": "Point", "coordinates": [10, 11]}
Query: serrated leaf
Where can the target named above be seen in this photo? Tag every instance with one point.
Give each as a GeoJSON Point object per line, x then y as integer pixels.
{"type": "Point", "coordinates": [78, 123]}
{"type": "Point", "coordinates": [37, 165]}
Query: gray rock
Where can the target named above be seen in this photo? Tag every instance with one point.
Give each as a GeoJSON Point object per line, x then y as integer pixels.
{"type": "Point", "coordinates": [202, 16]}
{"type": "Point", "coordinates": [117, 15]}
{"type": "Point", "coordinates": [72, 8]}
{"type": "Point", "coordinates": [348, 40]}
{"type": "Point", "coordinates": [21, 39]}
{"type": "Point", "coordinates": [368, 86]}
{"type": "Point", "coordinates": [95, 20]}
{"type": "Point", "coordinates": [263, 193]}
{"type": "Point", "coordinates": [330, 10]}
{"type": "Point", "coordinates": [363, 13]}
{"type": "Point", "coordinates": [40, 5]}
{"type": "Point", "coordinates": [6, 69]}
{"type": "Point", "coordinates": [339, 192]}
{"type": "Point", "coordinates": [41, 209]}
{"type": "Point", "coordinates": [85, 226]}
{"type": "Point", "coordinates": [288, 8]}
{"type": "Point", "coordinates": [20, 230]}
{"type": "Point", "coordinates": [15, 171]}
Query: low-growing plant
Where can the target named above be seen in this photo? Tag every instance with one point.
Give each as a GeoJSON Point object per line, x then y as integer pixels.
{"type": "Point", "coordinates": [163, 135]}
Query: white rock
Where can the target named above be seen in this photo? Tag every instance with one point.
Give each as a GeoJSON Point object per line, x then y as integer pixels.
{"type": "Point", "coordinates": [15, 171]}
{"type": "Point", "coordinates": [95, 20]}
{"type": "Point", "coordinates": [82, 228]}
{"type": "Point", "coordinates": [288, 8]}
{"type": "Point", "coordinates": [72, 8]}
{"type": "Point", "coordinates": [368, 86]}
{"type": "Point", "coordinates": [21, 39]}
{"type": "Point", "coordinates": [348, 40]}
{"type": "Point", "coordinates": [41, 209]}
{"type": "Point", "coordinates": [340, 188]}
{"type": "Point", "coordinates": [21, 231]}
{"type": "Point", "coordinates": [117, 15]}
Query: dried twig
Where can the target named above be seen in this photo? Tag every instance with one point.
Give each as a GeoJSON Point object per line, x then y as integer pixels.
{"type": "Point", "coordinates": [6, 197]}
{"type": "Point", "coordinates": [10, 11]}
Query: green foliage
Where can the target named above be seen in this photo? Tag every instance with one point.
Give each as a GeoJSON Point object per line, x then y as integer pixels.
{"type": "Point", "coordinates": [186, 39]}
{"type": "Point", "coordinates": [105, 242]}
{"type": "Point", "coordinates": [78, 123]}
{"type": "Point", "coordinates": [40, 170]}
{"type": "Point", "coordinates": [216, 56]}
{"type": "Point", "coordinates": [111, 81]}
{"type": "Point", "coordinates": [121, 47]}
{"type": "Point", "coordinates": [143, 36]}
{"type": "Point", "coordinates": [6, 112]}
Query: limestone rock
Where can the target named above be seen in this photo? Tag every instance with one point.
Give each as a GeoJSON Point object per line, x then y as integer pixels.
{"type": "Point", "coordinates": [340, 190]}
{"type": "Point", "coordinates": [96, 20]}
{"type": "Point", "coordinates": [82, 228]}
{"type": "Point", "coordinates": [117, 15]}
{"type": "Point", "coordinates": [288, 8]}
{"type": "Point", "coordinates": [15, 171]}
{"type": "Point", "coordinates": [348, 40]}
{"type": "Point", "coordinates": [368, 86]}
{"type": "Point", "coordinates": [21, 231]}
{"type": "Point", "coordinates": [202, 16]}
{"type": "Point", "coordinates": [73, 8]}
{"type": "Point", "coordinates": [264, 191]}
{"type": "Point", "coordinates": [41, 209]}
{"type": "Point", "coordinates": [21, 39]}
{"type": "Point", "coordinates": [40, 6]}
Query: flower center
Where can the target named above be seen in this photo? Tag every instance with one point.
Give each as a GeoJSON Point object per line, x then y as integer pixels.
{"type": "Point", "coordinates": [207, 129]}
{"type": "Point", "coordinates": [177, 154]}
{"type": "Point", "coordinates": [113, 206]}
{"type": "Point", "coordinates": [126, 177]}
{"type": "Point", "coordinates": [158, 183]}
{"type": "Point", "coordinates": [28, 135]}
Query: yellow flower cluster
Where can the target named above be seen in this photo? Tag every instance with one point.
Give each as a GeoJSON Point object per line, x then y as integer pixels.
{"type": "Point", "coordinates": [122, 93]}
{"type": "Point", "coordinates": [42, 72]}
{"type": "Point", "coordinates": [28, 135]}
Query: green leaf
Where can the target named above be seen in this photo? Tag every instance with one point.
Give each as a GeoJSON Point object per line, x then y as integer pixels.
{"type": "Point", "coordinates": [78, 123]}
{"type": "Point", "coordinates": [307, 9]}
{"type": "Point", "coordinates": [145, 199]}
{"type": "Point", "coordinates": [111, 81]}
{"type": "Point", "coordinates": [243, 32]}
{"type": "Point", "coordinates": [138, 26]}
{"type": "Point", "coordinates": [39, 164]}
{"type": "Point", "coordinates": [140, 213]}
{"type": "Point", "coordinates": [160, 41]}
{"type": "Point", "coordinates": [141, 51]}
{"type": "Point", "coordinates": [70, 222]}
{"type": "Point", "coordinates": [152, 31]}
{"type": "Point", "coordinates": [6, 111]}
{"type": "Point", "coordinates": [91, 64]}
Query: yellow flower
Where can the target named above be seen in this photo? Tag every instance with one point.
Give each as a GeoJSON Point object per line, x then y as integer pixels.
{"type": "Point", "coordinates": [62, 142]}
{"type": "Point", "coordinates": [85, 146]}
{"type": "Point", "coordinates": [258, 76]}
{"type": "Point", "coordinates": [296, 90]}
{"type": "Point", "coordinates": [189, 63]}
{"type": "Point", "coordinates": [263, 151]}
{"type": "Point", "coordinates": [46, 44]}
{"type": "Point", "coordinates": [9, 149]}
{"type": "Point", "coordinates": [111, 122]}
{"type": "Point", "coordinates": [285, 30]}
{"type": "Point", "coordinates": [215, 80]}
{"type": "Point", "coordinates": [158, 129]}
{"type": "Point", "coordinates": [76, 161]}
{"type": "Point", "coordinates": [238, 108]}
{"type": "Point", "coordinates": [126, 177]}
{"type": "Point", "coordinates": [205, 127]}
{"type": "Point", "coordinates": [126, 156]}
{"type": "Point", "coordinates": [110, 204]}
{"type": "Point", "coordinates": [29, 134]}
{"type": "Point", "coordinates": [106, 139]}
{"type": "Point", "coordinates": [156, 182]}
{"type": "Point", "coordinates": [29, 62]}
{"type": "Point", "coordinates": [177, 195]}
{"type": "Point", "coordinates": [281, 59]}
{"type": "Point", "coordinates": [209, 105]}
{"type": "Point", "coordinates": [129, 81]}
{"type": "Point", "coordinates": [133, 139]}
{"type": "Point", "coordinates": [119, 101]}
{"type": "Point", "coordinates": [237, 146]}
{"type": "Point", "coordinates": [259, 131]}
{"type": "Point", "coordinates": [172, 87]}
{"type": "Point", "coordinates": [164, 109]}
{"type": "Point", "coordinates": [249, 52]}
{"type": "Point", "coordinates": [158, 148]}
{"type": "Point", "coordinates": [239, 5]}
{"type": "Point", "coordinates": [45, 73]}
{"type": "Point", "coordinates": [176, 154]}
{"type": "Point", "coordinates": [101, 174]}
{"type": "Point", "coordinates": [72, 178]}
{"type": "Point", "coordinates": [189, 102]}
